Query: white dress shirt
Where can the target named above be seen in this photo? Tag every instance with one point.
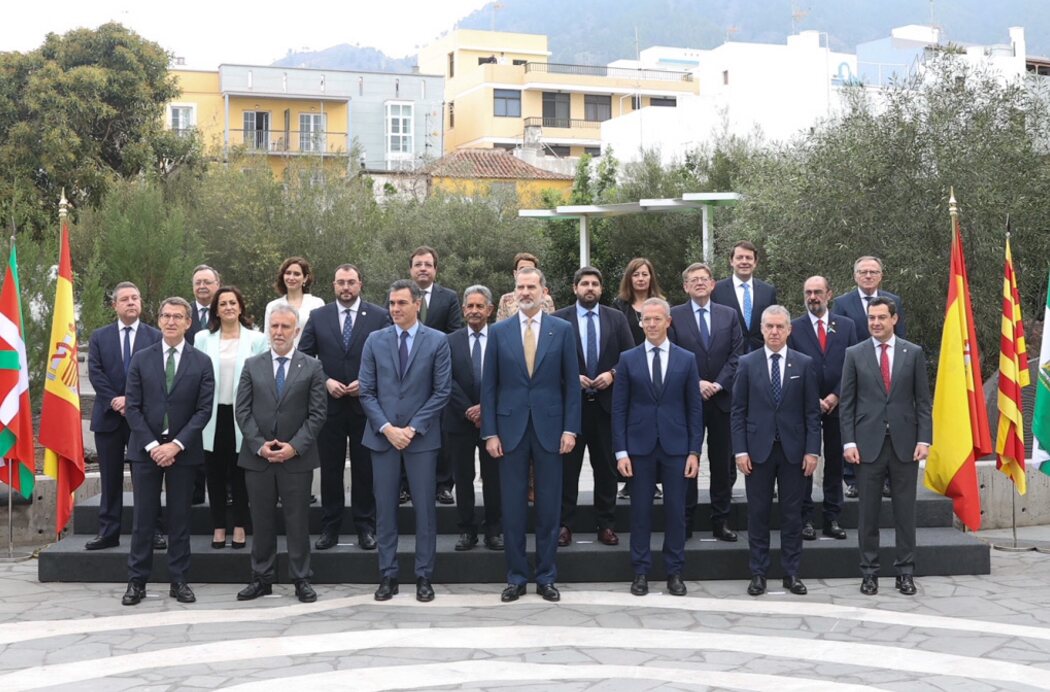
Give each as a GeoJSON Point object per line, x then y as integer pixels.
{"type": "Point", "coordinates": [769, 363]}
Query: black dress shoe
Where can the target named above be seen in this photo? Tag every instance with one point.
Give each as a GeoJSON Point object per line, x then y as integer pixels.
{"type": "Point", "coordinates": [304, 592]}
{"type": "Point", "coordinates": [851, 491]}
{"type": "Point", "coordinates": [549, 592]}
{"type": "Point", "coordinates": [808, 532]}
{"type": "Point", "coordinates": [722, 532]}
{"type": "Point", "coordinates": [424, 591]}
{"type": "Point", "coordinates": [512, 593]}
{"type": "Point", "coordinates": [675, 585]}
{"type": "Point", "coordinates": [404, 497]}
{"type": "Point", "coordinates": [757, 587]}
{"type": "Point", "coordinates": [366, 540]}
{"type": "Point", "coordinates": [906, 584]}
{"type": "Point", "coordinates": [160, 542]}
{"type": "Point", "coordinates": [869, 586]}
{"type": "Point", "coordinates": [494, 542]}
{"type": "Point", "coordinates": [182, 592]}
{"type": "Point", "coordinates": [795, 586]}
{"type": "Point", "coordinates": [254, 590]}
{"type": "Point", "coordinates": [326, 541]}
{"type": "Point", "coordinates": [833, 530]}
{"type": "Point", "coordinates": [640, 585]}
{"type": "Point", "coordinates": [134, 595]}
{"type": "Point", "coordinates": [444, 497]}
{"type": "Point", "coordinates": [564, 537]}
{"type": "Point", "coordinates": [198, 499]}
{"type": "Point", "coordinates": [100, 542]}
{"type": "Point", "coordinates": [387, 589]}
{"type": "Point", "coordinates": [467, 541]}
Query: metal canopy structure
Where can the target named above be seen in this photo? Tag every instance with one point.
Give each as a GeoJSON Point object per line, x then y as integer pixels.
{"type": "Point", "coordinates": [690, 201]}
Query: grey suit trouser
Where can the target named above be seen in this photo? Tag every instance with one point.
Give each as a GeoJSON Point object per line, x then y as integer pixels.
{"type": "Point", "coordinates": [264, 487]}
{"type": "Point", "coordinates": [903, 475]}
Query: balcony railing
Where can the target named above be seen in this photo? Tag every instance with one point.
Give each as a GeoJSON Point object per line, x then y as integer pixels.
{"type": "Point", "coordinates": [291, 142]}
{"type": "Point", "coordinates": [562, 122]}
{"type": "Point", "coordinates": [604, 71]}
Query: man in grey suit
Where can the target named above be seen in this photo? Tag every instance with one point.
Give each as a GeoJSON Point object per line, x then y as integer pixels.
{"type": "Point", "coordinates": [281, 407]}
{"type": "Point", "coordinates": [406, 380]}
{"type": "Point", "coordinates": [886, 430]}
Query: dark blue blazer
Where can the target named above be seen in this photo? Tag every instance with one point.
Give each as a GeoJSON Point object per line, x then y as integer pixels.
{"type": "Point", "coordinates": [852, 307]}
{"type": "Point", "coordinates": [717, 364]}
{"type": "Point", "coordinates": [443, 312]}
{"type": "Point", "coordinates": [551, 397]}
{"type": "Point", "coordinates": [755, 419]}
{"type": "Point", "coordinates": [641, 420]}
{"type": "Point", "coordinates": [106, 370]}
{"type": "Point", "coordinates": [763, 296]}
{"type": "Point", "coordinates": [841, 335]}
{"type": "Point", "coordinates": [463, 385]}
{"type": "Point", "coordinates": [614, 338]}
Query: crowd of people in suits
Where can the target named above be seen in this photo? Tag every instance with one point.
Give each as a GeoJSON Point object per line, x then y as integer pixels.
{"type": "Point", "coordinates": [425, 392]}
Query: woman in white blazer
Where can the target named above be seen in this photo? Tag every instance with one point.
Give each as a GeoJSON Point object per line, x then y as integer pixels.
{"type": "Point", "coordinates": [229, 340]}
{"type": "Point", "coordinates": [294, 279]}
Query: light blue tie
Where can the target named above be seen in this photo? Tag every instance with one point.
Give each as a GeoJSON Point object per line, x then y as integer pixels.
{"type": "Point", "coordinates": [747, 305]}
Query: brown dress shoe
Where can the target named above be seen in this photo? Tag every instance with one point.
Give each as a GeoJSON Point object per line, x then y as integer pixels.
{"type": "Point", "coordinates": [608, 537]}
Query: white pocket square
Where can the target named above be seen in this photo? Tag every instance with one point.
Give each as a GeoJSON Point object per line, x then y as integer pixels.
{"type": "Point", "coordinates": [794, 377]}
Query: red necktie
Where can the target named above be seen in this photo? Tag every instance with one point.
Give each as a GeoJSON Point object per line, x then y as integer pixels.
{"type": "Point", "coordinates": [822, 336]}
{"type": "Point", "coordinates": [884, 363]}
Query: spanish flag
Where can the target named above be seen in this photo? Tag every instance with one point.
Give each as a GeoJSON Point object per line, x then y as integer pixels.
{"type": "Point", "coordinates": [61, 431]}
{"type": "Point", "coordinates": [1013, 376]}
{"type": "Point", "coordinates": [960, 423]}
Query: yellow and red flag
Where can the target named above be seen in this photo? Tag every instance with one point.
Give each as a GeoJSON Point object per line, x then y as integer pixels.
{"type": "Point", "coordinates": [1013, 376]}
{"type": "Point", "coordinates": [61, 431]}
{"type": "Point", "coordinates": [960, 422]}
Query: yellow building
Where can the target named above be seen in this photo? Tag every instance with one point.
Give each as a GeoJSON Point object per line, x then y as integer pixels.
{"type": "Point", "coordinates": [471, 172]}
{"type": "Point", "coordinates": [502, 92]}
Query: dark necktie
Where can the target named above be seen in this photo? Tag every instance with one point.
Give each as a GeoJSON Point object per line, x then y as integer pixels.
{"type": "Point", "coordinates": [402, 353]}
{"type": "Point", "coordinates": [884, 365]}
{"type": "Point", "coordinates": [127, 350]}
{"type": "Point", "coordinates": [279, 378]}
{"type": "Point", "coordinates": [475, 364]}
{"type": "Point", "coordinates": [592, 346]}
{"type": "Point", "coordinates": [658, 374]}
{"type": "Point", "coordinates": [774, 378]}
{"type": "Point", "coordinates": [348, 326]}
{"type": "Point", "coordinates": [822, 336]}
{"type": "Point", "coordinates": [747, 305]}
{"type": "Point", "coordinates": [705, 333]}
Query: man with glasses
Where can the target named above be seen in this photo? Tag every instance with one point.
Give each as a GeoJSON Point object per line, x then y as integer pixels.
{"type": "Point", "coordinates": [206, 282]}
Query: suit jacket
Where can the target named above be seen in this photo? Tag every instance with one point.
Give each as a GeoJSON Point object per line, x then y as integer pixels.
{"type": "Point", "coordinates": [106, 370]}
{"type": "Point", "coordinates": [323, 339]}
{"type": "Point", "coordinates": [866, 411]}
{"type": "Point", "coordinates": [755, 419]}
{"type": "Point", "coordinates": [641, 419]}
{"type": "Point", "coordinates": [841, 335]}
{"type": "Point", "coordinates": [416, 399]}
{"type": "Point", "coordinates": [188, 405]}
{"type": "Point", "coordinates": [762, 297]}
{"type": "Point", "coordinates": [443, 311]}
{"type": "Point", "coordinates": [250, 343]}
{"type": "Point", "coordinates": [295, 418]}
{"type": "Point", "coordinates": [853, 307]}
{"type": "Point", "coordinates": [196, 324]}
{"type": "Point", "coordinates": [719, 362]}
{"type": "Point", "coordinates": [614, 338]}
{"type": "Point", "coordinates": [463, 386]}
{"type": "Point", "coordinates": [551, 398]}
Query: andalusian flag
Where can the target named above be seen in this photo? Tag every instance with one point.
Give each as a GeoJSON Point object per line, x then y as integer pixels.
{"type": "Point", "coordinates": [60, 428]}
{"type": "Point", "coordinates": [18, 466]}
{"type": "Point", "coordinates": [960, 422]}
{"type": "Point", "coordinates": [1013, 376]}
{"type": "Point", "coordinates": [1041, 416]}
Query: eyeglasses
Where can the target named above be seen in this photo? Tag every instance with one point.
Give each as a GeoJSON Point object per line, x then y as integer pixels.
{"type": "Point", "coordinates": [868, 272]}
{"type": "Point", "coordinates": [171, 317]}
{"type": "Point", "coordinates": [698, 280]}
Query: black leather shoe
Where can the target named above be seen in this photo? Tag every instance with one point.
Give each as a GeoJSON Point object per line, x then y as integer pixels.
{"type": "Point", "coordinates": [304, 592]}
{"type": "Point", "coordinates": [387, 589]}
{"type": "Point", "coordinates": [182, 592]}
{"type": "Point", "coordinates": [869, 586]}
{"type": "Point", "coordinates": [160, 542]}
{"type": "Point", "coordinates": [675, 585]}
{"type": "Point", "coordinates": [906, 584]}
{"type": "Point", "coordinates": [757, 587]}
{"type": "Point", "coordinates": [512, 593]}
{"type": "Point", "coordinates": [494, 542]}
{"type": "Point", "coordinates": [564, 537]}
{"type": "Point", "coordinates": [444, 497]}
{"type": "Point", "coordinates": [254, 590]}
{"type": "Point", "coordinates": [366, 540]}
{"type": "Point", "coordinates": [640, 585]}
{"type": "Point", "coordinates": [467, 541]}
{"type": "Point", "coordinates": [238, 545]}
{"type": "Point", "coordinates": [134, 595]}
{"type": "Point", "coordinates": [404, 498]}
{"type": "Point", "coordinates": [549, 592]}
{"type": "Point", "coordinates": [851, 491]}
{"type": "Point", "coordinates": [833, 530]}
{"type": "Point", "coordinates": [808, 532]}
{"type": "Point", "coordinates": [326, 541]}
{"type": "Point", "coordinates": [722, 532]}
{"type": "Point", "coordinates": [424, 591]}
{"type": "Point", "coordinates": [100, 542]}
{"type": "Point", "coordinates": [795, 586]}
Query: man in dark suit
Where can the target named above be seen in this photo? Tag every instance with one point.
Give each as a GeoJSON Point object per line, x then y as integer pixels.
{"type": "Point", "coordinates": [406, 379]}
{"type": "Point", "coordinates": [602, 334]}
{"type": "Point", "coordinates": [745, 294]}
{"type": "Point", "coordinates": [462, 423]}
{"type": "Point", "coordinates": [886, 431]}
{"type": "Point", "coordinates": [658, 429]}
{"type": "Point", "coordinates": [336, 335]}
{"type": "Point", "coordinates": [530, 409]}
{"type": "Point", "coordinates": [206, 281]}
{"type": "Point", "coordinates": [440, 310]}
{"type": "Point", "coordinates": [776, 439]}
{"type": "Point", "coordinates": [281, 405]}
{"type": "Point", "coordinates": [169, 394]}
{"type": "Point", "coordinates": [109, 356]}
{"type": "Point", "coordinates": [712, 333]}
{"type": "Point", "coordinates": [824, 338]}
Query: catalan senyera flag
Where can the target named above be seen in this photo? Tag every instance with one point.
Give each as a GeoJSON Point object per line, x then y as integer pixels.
{"type": "Point", "coordinates": [1041, 414]}
{"type": "Point", "coordinates": [960, 422]}
{"type": "Point", "coordinates": [61, 433]}
{"type": "Point", "coordinates": [18, 468]}
{"type": "Point", "coordinates": [1013, 376]}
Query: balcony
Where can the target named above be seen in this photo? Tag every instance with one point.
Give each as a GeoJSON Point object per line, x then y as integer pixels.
{"type": "Point", "coordinates": [612, 72]}
{"type": "Point", "coordinates": [566, 123]}
{"type": "Point", "coordinates": [291, 142]}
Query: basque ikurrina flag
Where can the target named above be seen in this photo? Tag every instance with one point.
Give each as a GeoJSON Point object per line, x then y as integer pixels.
{"type": "Point", "coordinates": [1041, 415]}
{"type": "Point", "coordinates": [1013, 376]}
{"type": "Point", "coordinates": [16, 416]}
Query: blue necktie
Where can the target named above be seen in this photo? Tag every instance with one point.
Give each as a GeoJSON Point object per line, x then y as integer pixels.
{"type": "Point", "coordinates": [348, 325]}
{"type": "Point", "coordinates": [592, 346]}
{"type": "Point", "coordinates": [658, 374]}
{"type": "Point", "coordinates": [747, 305]}
{"type": "Point", "coordinates": [774, 378]}
{"type": "Point", "coordinates": [279, 379]}
{"type": "Point", "coordinates": [705, 333]}
{"type": "Point", "coordinates": [402, 353]}
{"type": "Point", "coordinates": [475, 364]}
{"type": "Point", "coordinates": [127, 350]}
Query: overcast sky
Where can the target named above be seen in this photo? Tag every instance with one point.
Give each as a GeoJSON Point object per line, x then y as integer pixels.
{"type": "Point", "coordinates": [207, 33]}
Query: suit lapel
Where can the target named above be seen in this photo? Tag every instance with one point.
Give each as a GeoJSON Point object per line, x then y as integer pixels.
{"type": "Point", "coordinates": [183, 364]}
{"type": "Point", "coordinates": [295, 365]}
{"type": "Point", "coordinates": [902, 352]}
{"type": "Point", "coordinates": [417, 342]}
{"type": "Point", "coordinates": [869, 360]}
{"type": "Point", "coordinates": [543, 340]}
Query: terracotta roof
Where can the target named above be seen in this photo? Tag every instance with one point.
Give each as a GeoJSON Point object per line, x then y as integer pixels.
{"type": "Point", "coordinates": [489, 163]}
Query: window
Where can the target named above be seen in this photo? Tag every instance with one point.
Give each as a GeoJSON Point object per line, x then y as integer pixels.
{"type": "Point", "coordinates": [597, 108]}
{"type": "Point", "coordinates": [636, 102]}
{"type": "Point", "coordinates": [489, 60]}
{"type": "Point", "coordinates": [257, 130]}
{"type": "Point", "coordinates": [182, 119]}
{"type": "Point", "coordinates": [518, 62]}
{"type": "Point", "coordinates": [399, 130]}
{"type": "Point", "coordinates": [452, 64]}
{"type": "Point", "coordinates": [663, 101]}
{"type": "Point", "coordinates": [592, 151]}
{"type": "Point", "coordinates": [555, 109]}
{"type": "Point", "coordinates": [506, 103]}
{"type": "Point", "coordinates": [451, 114]}
{"type": "Point", "coordinates": [558, 149]}
{"type": "Point", "coordinates": [312, 132]}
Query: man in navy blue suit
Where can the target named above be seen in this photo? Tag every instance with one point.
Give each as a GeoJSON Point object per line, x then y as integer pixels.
{"type": "Point", "coordinates": [824, 338]}
{"type": "Point", "coordinates": [745, 294]}
{"type": "Point", "coordinates": [109, 356]}
{"type": "Point", "coordinates": [776, 439]}
{"type": "Point", "coordinates": [530, 409]}
{"type": "Point", "coordinates": [658, 429]}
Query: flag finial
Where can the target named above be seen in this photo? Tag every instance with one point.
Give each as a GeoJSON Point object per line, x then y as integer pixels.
{"type": "Point", "coordinates": [63, 205]}
{"type": "Point", "coordinates": [953, 206]}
